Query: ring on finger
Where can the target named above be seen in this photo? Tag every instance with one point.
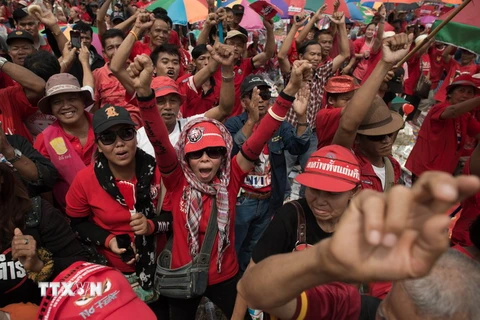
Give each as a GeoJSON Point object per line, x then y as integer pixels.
{"type": "Point", "coordinates": [26, 240]}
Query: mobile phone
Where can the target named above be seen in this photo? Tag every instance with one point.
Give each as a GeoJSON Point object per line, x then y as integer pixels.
{"type": "Point", "coordinates": [123, 241]}
{"type": "Point", "coordinates": [75, 39]}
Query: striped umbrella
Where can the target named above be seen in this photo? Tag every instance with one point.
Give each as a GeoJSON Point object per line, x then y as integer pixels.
{"type": "Point", "coordinates": [251, 20]}
{"type": "Point", "coordinates": [183, 11]}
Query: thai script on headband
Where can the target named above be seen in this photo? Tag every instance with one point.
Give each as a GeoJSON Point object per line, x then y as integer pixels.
{"type": "Point", "coordinates": [354, 173]}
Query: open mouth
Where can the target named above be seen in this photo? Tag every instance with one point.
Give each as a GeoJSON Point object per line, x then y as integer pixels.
{"type": "Point", "coordinates": [205, 173]}
{"type": "Point", "coordinates": [122, 155]}
{"type": "Point", "coordinates": [171, 74]}
{"type": "Point", "coordinates": [68, 114]}
{"type": "Point", "coordinates": [168, 115]}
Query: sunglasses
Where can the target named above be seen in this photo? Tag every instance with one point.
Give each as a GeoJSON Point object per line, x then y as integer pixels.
{"type": "Point", "coordinates": [109, 137]}
{"type": "Point", "coordinates": [213, 153]}
{"type": "Point", "coordinates": [379, 138]}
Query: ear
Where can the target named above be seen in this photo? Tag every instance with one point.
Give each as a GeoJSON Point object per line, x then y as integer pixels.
{"type": "Point", "coordinates": [331, 101]}
{"type": "Point", "coordinates": [300, 56]}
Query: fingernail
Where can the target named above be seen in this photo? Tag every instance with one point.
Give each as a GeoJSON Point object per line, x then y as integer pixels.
{"type": "Point", "coordinates": [374, 237]}
{"type": "Point", "coordinates": [389, 240]}
{"type": "Point", "coordinates": [448, 191]}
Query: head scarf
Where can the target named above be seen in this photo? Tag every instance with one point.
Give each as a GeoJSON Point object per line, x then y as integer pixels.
{"type": "Point", "coordinates": [218, 188]}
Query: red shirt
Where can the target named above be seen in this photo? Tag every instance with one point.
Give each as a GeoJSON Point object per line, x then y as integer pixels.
{"type": "Point", "coordinates": [14, 110]}
{"type": "Point", "coordinates": [373, 60]}
{"type": "Point", "coordinates": [5, 80]}
{"type": "Point", "coordinates": [176, 182]}
{"type": "Point", "coordinates": [470, 212]}
{"type": "Point", "coordinates": [142, 4]}
{"type": "Point", "coordinates": [437, 65]}
{"type": "Point", "coordinates": [109, 90]}
{"type": "Point", "coordinates": [440, 142]}
{"type": "Point", "coordinates": [85, 152]}
{"type": "Point", "coordinates": [335, 300]}
{"type": "Point", "coordinates": [197, 101]}
{"type": "Point", "coordinates": [292, 53]}
{"type": "Point", "coordinates": [415, 65]}
{"type": "Point", "coordinates": [87, 198]}
{"type": "Point", "coordinates": [242, 69]}
{"type": "Point", "coordinates": [454, 70]}
{"type": "Point", "coordinates": [327, 123]}
{"type": "Point", "coordinates": [368, 178]}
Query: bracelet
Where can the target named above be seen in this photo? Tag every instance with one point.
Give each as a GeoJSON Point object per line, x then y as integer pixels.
{"type": "Point", "coordinates": [134, 34]}
{"type": "Point", "coordinates": [275, 116]}
{"type": "Point", "coordinates": [228, 79]}
{"type": "Point", "coordinates": [46, 257]}
{"type": "Point", "coordinates": [302, 124]}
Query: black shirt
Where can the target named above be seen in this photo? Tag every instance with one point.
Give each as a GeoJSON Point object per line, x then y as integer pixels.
{"type": "Point", "coordinates": [281, 234]}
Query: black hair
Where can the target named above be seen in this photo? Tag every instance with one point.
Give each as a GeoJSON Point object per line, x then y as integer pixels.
{"type": "Point", "coordinates": [228, 10]}
{"type": "Point", "coordinates": [199, 50]}
{"type": "Point", "coordinates": [318, 33]}
{"type": "Point", "coordinates": [397, 21]}
{"type": "Point", "coordinates": [160, 10]}
{"type": "Point", "coordinates": [165, 18]}
{"type": "Point", "coordinates": [112, 33]}
{"type": "Point", "coordinates": [475, 232]}
{"type": "Point", "coordinates": [43, 64]}
{"type": "Point", "coordinates": [368, 25]}
{"type": "Point", "coordinates": [303, 47]}
{"type": "Point", "coordinates": [83, 27]}
{"type": "Point", "coordinates": [213, 33]}
{"type": "Point", "coordinates": [164, 48]}
{"type": "Point", "coordinates": [19, 14]}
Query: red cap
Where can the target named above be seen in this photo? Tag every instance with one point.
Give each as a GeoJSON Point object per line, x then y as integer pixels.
{"type": "Point", "coordinates": [117, 302]}
{"type": "Point", "coordinates": [340, 84]}
{"type": "Point", "coordinates": [463, 80]}
{"type": "Point", "coordinates": [332, 168]}
{"type": "Point", "coordinates": [204, 135]}
{"type": "Point", "coordinates": [165, 85]}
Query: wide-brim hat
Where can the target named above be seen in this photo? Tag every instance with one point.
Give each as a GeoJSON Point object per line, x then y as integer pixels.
{"type": "Point", "coordinates": [380, 120]}
{"type": "Point", "coordinates": [236, 33]}
{"type": "Point", "coordinates": [463, 80]}
{"type": "Point", "coordinates": [62, 83]}
{"type": "Point", "coordinates": [332, 168]}
{"type": "Point", "coordinates": [204, 135]}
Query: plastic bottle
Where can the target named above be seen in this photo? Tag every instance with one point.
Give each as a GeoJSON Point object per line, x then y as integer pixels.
{"type": "Point", "coordinates": [255, 314]}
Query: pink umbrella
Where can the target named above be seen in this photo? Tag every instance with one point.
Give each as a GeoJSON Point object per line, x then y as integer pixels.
{"type": "Point", "coordinates": [251, 20]}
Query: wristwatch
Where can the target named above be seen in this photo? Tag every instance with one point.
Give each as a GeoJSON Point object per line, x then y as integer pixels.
{"type": "Point", "coordinates": [18, 155]}
{"type": "Point", "coordinates": [2, 62]}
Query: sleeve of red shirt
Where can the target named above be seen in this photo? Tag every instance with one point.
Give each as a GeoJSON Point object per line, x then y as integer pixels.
{"type": "Point", "coordinates": [39, 144]}
{"type": "Point", "coordinates": [358, 45]}
{"type": "Point", "coordinates": [18, 100]}
{"type": "Point", "coordinates": [77, 199]}
{"type": "Point", "coordinates": [473, 128]}
{"type": "Point", "coordinates": [437, 111]}
{"type": "Point", "coordinates": [331, 301]}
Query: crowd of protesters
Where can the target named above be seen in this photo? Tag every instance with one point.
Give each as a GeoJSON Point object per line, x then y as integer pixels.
{"type": "Point", "coordinates": [159, 162]}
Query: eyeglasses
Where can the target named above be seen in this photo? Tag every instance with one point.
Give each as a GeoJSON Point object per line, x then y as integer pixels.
{"type": "Point", "coordinates": [379, 138]}
{"type": "Point", "coordinates": [213, 153]}
{"type": "Point", "coordinates": [109, 137]}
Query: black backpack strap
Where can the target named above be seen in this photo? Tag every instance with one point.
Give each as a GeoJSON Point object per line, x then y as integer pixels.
{"type": "Point", "coordinates": [301, 224]}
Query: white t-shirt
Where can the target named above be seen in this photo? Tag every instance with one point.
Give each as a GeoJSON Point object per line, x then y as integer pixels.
{"type": "Point", "coordinates": [380, 172]}
{"type": "Point", "coordinates": [144, 144]}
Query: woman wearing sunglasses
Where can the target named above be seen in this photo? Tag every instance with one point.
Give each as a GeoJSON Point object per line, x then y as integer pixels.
{"type": "Point", "coordinates": [201, 171]}
{"type": "Point", "coordinates": [112, 202]}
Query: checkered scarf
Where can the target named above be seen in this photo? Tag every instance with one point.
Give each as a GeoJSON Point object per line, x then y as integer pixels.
{"type": "Point", "coordinates": [193, 193]}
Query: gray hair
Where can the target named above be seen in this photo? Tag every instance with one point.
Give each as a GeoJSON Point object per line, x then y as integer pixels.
{"type": "Point", "coordinates": [450, 291]}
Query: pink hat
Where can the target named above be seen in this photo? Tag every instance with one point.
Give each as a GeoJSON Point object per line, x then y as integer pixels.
{"type": "Point", "coordinates": [204, 135]}
{"type": "Point", "coordinates": [118, 301]}
{"type": "Point", "coordinates": [165, 85]}
{"type": "Point", "coordinates": [332, 168]}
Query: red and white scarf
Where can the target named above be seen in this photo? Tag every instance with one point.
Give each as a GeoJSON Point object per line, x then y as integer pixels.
{"type": "Point", "coordinates": [218, 187]}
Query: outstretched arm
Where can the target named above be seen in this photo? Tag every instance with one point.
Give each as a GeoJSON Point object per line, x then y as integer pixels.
{"type": "Point", "coordinates": [394, 49]}
{"type": "Point", "coordinates": [251, 149]}
{"type": "Point", "coordinates": [338, 18]}
{"type": "Point", "coordinates": [373, 242]}
{"type": "Point", "coordinates": [316, 17]}
{"type": "Point", "coordinates": [270, 47]}
{"type": "Point", "coordinates": [288, 42]}
{"type": "Point", "coordinates": [141, 72]}
{"type": "Point", "coordinates": [117, 65]}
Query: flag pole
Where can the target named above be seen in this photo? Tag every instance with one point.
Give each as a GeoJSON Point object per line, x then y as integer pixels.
{"type": "Point", "coordinates": [433, 33]}
{"type": "Point", "coordinates": [220, 25]}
